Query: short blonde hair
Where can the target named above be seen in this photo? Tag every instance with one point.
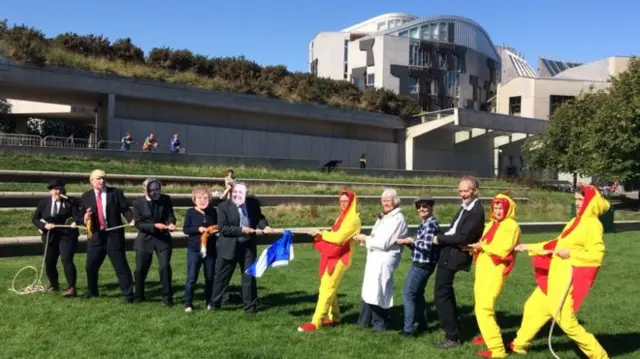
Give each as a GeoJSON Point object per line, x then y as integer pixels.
{"type": "Point", "coordinates": [200, 190]}
{"type": "Point", "coordinates": [97, 174]}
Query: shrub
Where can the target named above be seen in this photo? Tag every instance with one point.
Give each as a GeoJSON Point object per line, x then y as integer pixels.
{"type": "Point", "coordinates": [88, 45]}
{"type": "Point", "coordinates": [26, 45]}
{"type": "Point", "coordinates": [125, 50]}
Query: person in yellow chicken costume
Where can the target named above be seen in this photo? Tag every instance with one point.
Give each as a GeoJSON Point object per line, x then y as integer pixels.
{"type": "Point", "coordinates": [565, 269]}
{"type": "Point", "coordinates": [494, 260]}
{"type": "Point", "coordinates": [336, 248]}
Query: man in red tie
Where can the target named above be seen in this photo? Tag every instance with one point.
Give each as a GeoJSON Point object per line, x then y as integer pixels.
{"type": "Point", "coordinates": [105, 206]}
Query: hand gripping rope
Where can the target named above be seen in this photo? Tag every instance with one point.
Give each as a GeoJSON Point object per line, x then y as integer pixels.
{"type": "Point", "coordinates": [37, 286]}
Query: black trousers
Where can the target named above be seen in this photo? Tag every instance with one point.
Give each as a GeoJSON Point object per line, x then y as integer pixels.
{"type": "Point", "coordinates": [143, 263]}
{"type": "Point", "coordinates": [373, 316]}
{"type": "Point", "coordinates": [224, 271]}
{"type": "Point", "coordinates": [113, 246]}
{"type": "Point", "coordinates": [65, 248]}
{"type": "Point", "coordinates": [445, 301]}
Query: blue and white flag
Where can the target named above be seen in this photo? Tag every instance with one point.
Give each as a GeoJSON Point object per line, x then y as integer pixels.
{"type": "Point", "coordinates": [276, 255]}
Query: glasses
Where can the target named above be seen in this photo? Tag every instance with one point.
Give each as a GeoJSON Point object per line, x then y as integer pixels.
{"type": "Point", "coordinates": [420, 206]}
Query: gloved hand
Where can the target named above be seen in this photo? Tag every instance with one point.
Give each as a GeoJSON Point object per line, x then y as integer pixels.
{"type": "Point", "coordinates": [203, 252]}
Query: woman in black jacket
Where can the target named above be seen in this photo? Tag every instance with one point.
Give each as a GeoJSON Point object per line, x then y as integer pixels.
{"type": "Point", "coordinates": [197, 221]}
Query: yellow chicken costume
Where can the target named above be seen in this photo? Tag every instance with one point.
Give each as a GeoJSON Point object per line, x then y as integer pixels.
{"type": "Point", "coordinates": [336, 248]}
{"type": "Point", "coordinates": [494, 261]}
{"type": "Point", "coordinates": [573, 276]}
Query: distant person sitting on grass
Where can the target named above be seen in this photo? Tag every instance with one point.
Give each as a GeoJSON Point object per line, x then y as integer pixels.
{"type": "Point", "coordinates": [175, 146]}
{"type": "Point", "coordinates": [229, 181]}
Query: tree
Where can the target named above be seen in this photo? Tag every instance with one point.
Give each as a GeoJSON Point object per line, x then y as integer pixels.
{"type": "Point", "coordinates": [615, 145]}
{"type": "Point", "coordinates": [125, 50]}
{"type": "Point", "coordinates": [566, 143]}
{"type": "Point", "coordinates": [6, 124]}
{"type": "Point", "coordinates": [25, 44]}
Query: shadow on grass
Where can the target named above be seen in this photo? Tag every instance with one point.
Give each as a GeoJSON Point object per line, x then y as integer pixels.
{"type": "Point", "coordinates": [617, 344]}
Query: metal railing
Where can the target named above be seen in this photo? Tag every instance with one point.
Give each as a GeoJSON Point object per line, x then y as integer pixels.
{"type": "Point", "coordinates": [65, 142]}
{"type": "Point", "coordinates": [12, 139]}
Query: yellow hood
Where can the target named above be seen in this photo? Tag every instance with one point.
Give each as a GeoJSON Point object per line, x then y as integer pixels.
{"type": "Point", "coordinates": [594, 204]}
{"type": "Point", "coordinates": [510, 204]}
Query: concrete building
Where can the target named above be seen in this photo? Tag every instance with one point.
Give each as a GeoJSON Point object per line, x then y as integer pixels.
{"type": "Point", "coordinates": [440, 61]}
{"type": "Point", "coordinates": [529, 94]}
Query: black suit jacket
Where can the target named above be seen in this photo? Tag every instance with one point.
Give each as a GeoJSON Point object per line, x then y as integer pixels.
{"type": "Point", "coordinates": [230, 232]}
{"type": "Point", "coordinates": [148, 236]}
{"type": "Point", "coordinates": [117, 206]}
{"type": "Point", "coordinates": [468, 231]}
{"type": "Point", "coordinates": [68, 209]}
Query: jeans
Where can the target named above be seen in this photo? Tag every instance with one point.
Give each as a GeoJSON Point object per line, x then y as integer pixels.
{"type": "Point", "coordinates": [373, 316]}
{"type": "Point", "coordinates": [415, 306]}
{"type": "Point", "coordinates": [194, 261]}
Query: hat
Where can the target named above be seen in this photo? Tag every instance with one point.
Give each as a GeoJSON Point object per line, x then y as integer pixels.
{"type": "Point", "coordinates": [56, 183]}
{"type": "Point", "coordinates": [430, 202]}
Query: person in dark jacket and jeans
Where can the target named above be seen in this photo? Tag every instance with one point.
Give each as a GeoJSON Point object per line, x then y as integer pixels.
{"type": "Point", "coordinates": [467, 228]}
{"type": "Point", "coordinates": [196, 222]}
{"type": "Point", "coordinates": [424, 256]}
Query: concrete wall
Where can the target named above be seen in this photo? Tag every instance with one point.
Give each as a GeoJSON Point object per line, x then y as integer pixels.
{"type": "Point", "coordinates": [393, 51]}
{"type": "Point", "coordinates": [221, 141]}
{"type": "Point", "coordinates": [535, 93]}
{"type": "Point", "coordinates": [437, 150]}
{"type": "Point", "coordinates": [328, 48]}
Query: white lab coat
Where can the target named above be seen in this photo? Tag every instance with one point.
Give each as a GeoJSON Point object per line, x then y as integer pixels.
{"type": "Point", "coordinates": [383, 256]}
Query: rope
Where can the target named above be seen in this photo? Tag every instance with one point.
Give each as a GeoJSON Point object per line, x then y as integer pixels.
{"type": "Point", "coordinates": [558, 312]}
{"type": "Point", "coordinates": [37, 286]}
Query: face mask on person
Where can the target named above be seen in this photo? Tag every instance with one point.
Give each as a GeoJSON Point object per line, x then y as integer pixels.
{"type": "Point", "coordinates": [239, 195]}
{"type": "Point", "coordinates": [153, 190]}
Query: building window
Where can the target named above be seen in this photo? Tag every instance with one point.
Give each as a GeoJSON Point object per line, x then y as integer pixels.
{"type": "Point", "coordinates": [425, 32]}
{"type": "Point", "coordinates": [556, 100]}
{"type": "Point", "coordinates": [403, 34]}
{"type": "Point", "coordinates": [413, 85]}
{"type": "Point", "coordinates": [442, 34]}
{"type": "Point", "coordinates": [371, 81]}
{"type": "Point", "coordinates": [346, 71]}
{"type": "Point", "coordinates": [413, 33]}
{"type": "Point", "coordinates": [451, 84]}
{"type": "Point", "coordinates": [346, 50]}
{"type": "Point", "coordinates": [515, 105]}
{"type": "Point", "coordinates": [355, 80]}
{"type": "Point", "coordinates": [382, 26]}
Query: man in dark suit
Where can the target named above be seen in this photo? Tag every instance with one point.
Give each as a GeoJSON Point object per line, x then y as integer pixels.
{"type": "Point", "coordinates": [154, 219]}
{"type": "Point", "coordinates": [238, 218]}
{"type": "Point", "coordinates": [59, 209]}
{"type": "Point", "coordinates": [467, 228]}
{"type": "Point", "coordinates": [104, 206]}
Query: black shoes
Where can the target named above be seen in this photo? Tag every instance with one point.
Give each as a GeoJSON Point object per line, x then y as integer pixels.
{"type": "Point", "coordinates": [448, 343]}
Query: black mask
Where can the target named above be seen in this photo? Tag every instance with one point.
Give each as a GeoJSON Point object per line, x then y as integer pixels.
{"type": "Point", "coordinates": [153, 190]}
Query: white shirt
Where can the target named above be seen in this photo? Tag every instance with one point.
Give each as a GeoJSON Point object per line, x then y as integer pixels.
{"type": "Point", "coordinates": [55, 206]}
{"type": "Point", "coordinates": [465, 207]}
{"type": "Point", "coordinates": [103, 197]}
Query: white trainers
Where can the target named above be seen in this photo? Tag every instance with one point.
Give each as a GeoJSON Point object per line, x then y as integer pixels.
{"type": "Point", "coordinates": [188, 310]}
{"type": "Point", "coordinates": [209, 307]}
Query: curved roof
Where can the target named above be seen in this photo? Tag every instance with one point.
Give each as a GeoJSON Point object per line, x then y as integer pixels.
{"type": "Point", "coordinates": [487, 50]}
{"type": "Point", "coordinates": [376, 19]}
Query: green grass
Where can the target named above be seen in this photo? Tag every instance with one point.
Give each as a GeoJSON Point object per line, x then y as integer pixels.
{"type": "Point", "coordinates": [9, 160]}
{"type": "Point", "coordinates": [46, 325]}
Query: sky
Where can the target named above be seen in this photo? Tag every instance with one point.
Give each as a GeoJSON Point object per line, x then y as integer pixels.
{"type": "Point", "coordinates": [278, 32]}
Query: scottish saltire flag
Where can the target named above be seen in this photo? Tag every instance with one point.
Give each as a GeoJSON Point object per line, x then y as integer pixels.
{"type": "Point", "coordinates": [276, 255]}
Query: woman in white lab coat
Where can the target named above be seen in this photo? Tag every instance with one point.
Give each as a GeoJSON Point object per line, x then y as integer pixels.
{"type": "Point", "coordinates": [383, 256]}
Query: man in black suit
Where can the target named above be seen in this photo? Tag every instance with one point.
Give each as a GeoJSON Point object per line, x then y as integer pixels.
{"type": "Point", "coordinates": [154, 219]}
{"type": "Point", "coordinates": [59, 210]}
{"type": "Point", "coordinates": [104, 206]}
{"type": "Point", "coordinates": [467, 228]}
{"type": "Point", "coordinates": [238, 218]}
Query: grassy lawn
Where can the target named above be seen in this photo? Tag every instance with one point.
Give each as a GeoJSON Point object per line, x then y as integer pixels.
{"type": "Point", "coordinates": [46, 325]}
{"type": "Point", "coordinates": [8, 160]}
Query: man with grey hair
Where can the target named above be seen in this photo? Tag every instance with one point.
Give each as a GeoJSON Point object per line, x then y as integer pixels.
{"type": "Point", "coordinates": [238, 219]}
{"type": "Point", "coordinates": [155, 220]}
{"type": "Point", "coordinates": [467, 228]}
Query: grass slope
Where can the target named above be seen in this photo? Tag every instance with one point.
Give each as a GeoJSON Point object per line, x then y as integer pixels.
{"type": "Point", "coordinates": [8, 161]}
{"type": "Point", "coordinates": [46, 325]}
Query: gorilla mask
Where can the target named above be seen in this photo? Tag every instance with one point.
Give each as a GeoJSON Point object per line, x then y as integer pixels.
{"type": "Point", "coordinates": [154, 190]}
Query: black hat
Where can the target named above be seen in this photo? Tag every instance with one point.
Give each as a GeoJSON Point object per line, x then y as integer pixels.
{"type": "Point", "coordinates": [430, 202]}
{"type": "Point", "coordinates": [56, 183]}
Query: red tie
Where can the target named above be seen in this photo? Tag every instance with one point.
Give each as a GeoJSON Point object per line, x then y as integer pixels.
{"type": "Point", "coordinates": [103, 226]}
